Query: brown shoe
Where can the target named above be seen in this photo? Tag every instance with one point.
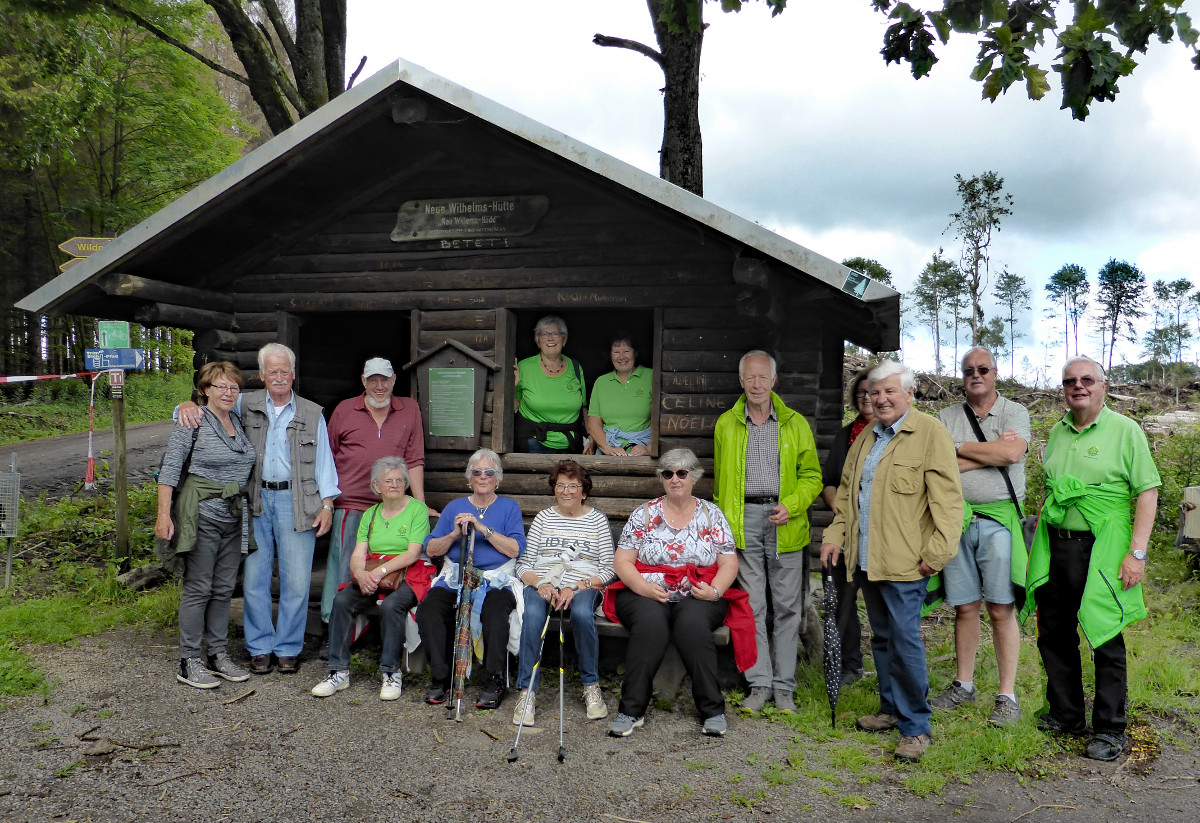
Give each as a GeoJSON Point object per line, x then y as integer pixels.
{"type": "Point", "coordinates": [880, 722]}
{"type": "Point", "coordinates": [260, 663]}
{"type": "Point", "coordinates": [911, 748]}
{"type": "Point", "coordinates": [288, 665]}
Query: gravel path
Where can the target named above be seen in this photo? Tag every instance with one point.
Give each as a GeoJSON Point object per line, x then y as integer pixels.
{"type": "Point", "coordinates": [280, 754]}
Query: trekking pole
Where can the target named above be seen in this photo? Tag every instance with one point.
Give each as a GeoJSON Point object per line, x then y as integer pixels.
{"type": "Point", "coordinates": [462, 634]}
{"type": "Point", "coordinates": [562, 751]}
{"type": "Point", "coordinates": [512, 755]}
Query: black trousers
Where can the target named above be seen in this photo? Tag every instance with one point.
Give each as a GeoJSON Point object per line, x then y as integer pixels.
{"type": "Point", "coordinates": [688, 624]}
{"type": "Point", "coordinates": [849, 627]}
{"type": "Point", "coordinates": [1058, 641]}
{"type": "Point", "coordinates": [435, 621]}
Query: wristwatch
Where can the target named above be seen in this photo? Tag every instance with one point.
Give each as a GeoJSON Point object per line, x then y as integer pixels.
{"type": "Point", "coordinates": [383, 571]}
{"type": "Point", "coordinates": [490, 532]}
{"type": "Point", "coordinates": [957, 446]}
{"type": "Point", "coordinates": [1138, 554]}
{"type": "Point", "coordinates": [328, 508]}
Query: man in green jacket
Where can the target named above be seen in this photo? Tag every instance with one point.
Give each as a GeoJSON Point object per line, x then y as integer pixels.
{"type": "Point", "coordinates": [766, 477]}
{"type": "Point", "coordinates": [1087, 563]}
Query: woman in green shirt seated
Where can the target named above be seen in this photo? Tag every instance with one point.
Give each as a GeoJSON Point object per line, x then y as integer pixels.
{"type": "Point", "coordinates": [551, 393]}
{"type": "Point", "coordinates": [619, 414]}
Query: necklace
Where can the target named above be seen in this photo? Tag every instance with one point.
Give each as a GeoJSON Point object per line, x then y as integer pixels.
{"type": "Point", "coordinates": [550, 370]}
{"type": "Point", "coordinates": [481, 509]}
{"type": "Point", "coordinates": [687, 518]}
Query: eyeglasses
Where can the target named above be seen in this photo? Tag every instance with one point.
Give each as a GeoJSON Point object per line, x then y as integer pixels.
{"type": "Point", "coordinates": [225, 389]}
{"type": "Point", "coordinates": [567, 487]}
{"type": "Point", "coordinates": [275, 373]}
{"type": "Point", "coordinates": [392, 481]}
{"type": "Point", "coordinates": [1086, 382]}
{"type": "Point", "coordinates": [551, 334]}
{"type": "Point", "coordinates": [861, 393]}
{"type": "Point", "coordinates": [667, 474]}
{"type": "Point", "coordinates": [483, 472]}
{"type": "Point", "coordinates": [983, 371]}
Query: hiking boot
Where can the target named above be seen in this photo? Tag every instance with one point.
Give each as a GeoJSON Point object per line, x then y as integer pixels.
{"type": "Point", "coordinates": [911, 748]}
{"type": "Point", "coordinates": [954, 696]}
{"type": "Point", "coordinates": [1106, 746]}
{"type": "Point", "coordinates": [623, 725]}
{"type": "Point", "coordinates": [784, 701]}
{"type": "Point", "coordinates": [336, 682]}
{"type": "Point", "coordinates": [491, 695]}
{"type": "Point", "coordinates": [1051, 724]}
{"type": "Point", "coordinates": [852, 676]}
{"type": "Point", "coordinates": [220, 665]}
{"type": "Point", "coordinates": [1006, 713]}
{"type": "Point", "coordinates": [715, 726]}
{"type": "Point", "coordinates": [392, 686]}
{"type": "Point", "coordinates": [879, 722]}
{"type": "Point", "coordinates": [758, 697]}
{"type": "Point", "coordinates": [523, 712]}
{"type": "Point", "coordinates": [193, 673]}
{"type": "Point", "coordinates": [436, 694]}
{"type": "Point", "coordinates": [594, 701]}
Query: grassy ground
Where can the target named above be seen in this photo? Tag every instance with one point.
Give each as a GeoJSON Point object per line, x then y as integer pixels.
{"type": "Point", "coordinates": [45, 408]}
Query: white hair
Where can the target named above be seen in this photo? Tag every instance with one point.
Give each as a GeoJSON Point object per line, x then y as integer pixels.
{"type": "Point", "coordinates": [388, 464]}
{"type": "Point", "coordinates": [908, 380]}
{"type": "Point", "coordinates": [754, 353]}
{"type": "Point", "coordinates": [1084, 359]}
{"type": "Point", "coordinates": [682, 459]}
{"type": "Point", "coordinates": [277, 349]}
{"type": "Point", "coordinates": [977, 349]}
{"type": "Point", "coordinates": [546, 322]}
{"type": "Point", "coordinates": [485, 454]}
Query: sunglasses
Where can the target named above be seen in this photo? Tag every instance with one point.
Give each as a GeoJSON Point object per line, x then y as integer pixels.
{"type": "Point", "coordinates": [483, 472]}
{"type": "Point", "coordinates": [982, 371]}
{"type": "Point", "coordinates": [1086, 382]}
{"type": "Point", "coordinates": [667, 474]}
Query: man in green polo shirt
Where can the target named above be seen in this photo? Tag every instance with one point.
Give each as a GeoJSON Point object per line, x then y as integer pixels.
{"type": "Point", "coordinates": [1087, 562]}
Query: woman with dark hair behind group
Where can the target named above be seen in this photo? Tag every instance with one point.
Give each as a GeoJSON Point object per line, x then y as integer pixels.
{"type": "Point", "coordinates": [619, 414]}
{"type": "Point", "coordinates": [206, 506]}
{"type": "Point", "coordinates": [848, 624]}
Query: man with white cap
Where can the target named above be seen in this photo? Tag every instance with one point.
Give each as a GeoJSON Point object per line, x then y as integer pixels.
{"type": "Point", "coordinates": [363, 429]}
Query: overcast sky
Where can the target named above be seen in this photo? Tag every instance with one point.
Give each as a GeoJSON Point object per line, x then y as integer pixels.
{"type": "Point", "coordinates": [807, 132]}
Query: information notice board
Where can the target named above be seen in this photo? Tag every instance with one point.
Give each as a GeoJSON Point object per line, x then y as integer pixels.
{"type": "Point", "coordinates": [452, 402]}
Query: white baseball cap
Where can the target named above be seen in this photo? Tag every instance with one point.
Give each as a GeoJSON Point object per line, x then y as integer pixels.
{"type": "Point", "coordinates": [378, 365]}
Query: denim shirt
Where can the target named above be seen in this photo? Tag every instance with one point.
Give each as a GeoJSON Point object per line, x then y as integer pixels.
{"type": "Point", "coordinates": [883, 436]}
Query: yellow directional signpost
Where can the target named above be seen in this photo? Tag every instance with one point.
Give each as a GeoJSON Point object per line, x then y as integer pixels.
{"type": "Point", "coordinates": [80, 247]}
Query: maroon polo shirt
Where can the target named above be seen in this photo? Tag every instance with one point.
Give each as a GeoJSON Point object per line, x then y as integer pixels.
{"type": "Point", "coordinates": [357, 443]}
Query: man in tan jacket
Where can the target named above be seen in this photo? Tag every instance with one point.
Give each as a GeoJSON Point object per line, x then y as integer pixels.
{"type": "Point", "coordinates": [899, 517]}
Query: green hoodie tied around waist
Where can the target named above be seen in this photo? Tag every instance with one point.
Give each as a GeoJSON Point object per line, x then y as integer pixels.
{"type": "Point", "coordinates": [1107, 607]}
{"type": "Point", "coordinates": [185, 512]}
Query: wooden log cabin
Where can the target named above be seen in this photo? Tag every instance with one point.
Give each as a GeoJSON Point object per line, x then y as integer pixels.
{"type": "Point", "coordinates": [410, 212]}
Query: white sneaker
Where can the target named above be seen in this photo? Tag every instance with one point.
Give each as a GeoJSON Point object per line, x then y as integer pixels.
{"type": "Point", "coordinates": [391, 686]}
{"type": "Point", "coordinates": [336, 682]}
{"type": "Point", "coordinates": [594, 702]}
{"type": "Point", "coordinates": [523, 713]}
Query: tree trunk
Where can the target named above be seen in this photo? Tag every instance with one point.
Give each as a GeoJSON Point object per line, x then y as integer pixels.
{"type": "Point", "coordinates": [333, 17]}
{"type": "Point", "coordinates": [681, 159]}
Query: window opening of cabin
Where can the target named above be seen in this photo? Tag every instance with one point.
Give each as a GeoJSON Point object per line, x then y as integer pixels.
{"type": "Point", "coordinates": [589, 337]}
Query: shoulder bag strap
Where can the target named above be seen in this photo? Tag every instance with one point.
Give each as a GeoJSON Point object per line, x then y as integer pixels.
{"type": "Point", "coordinates": [1012, 493]}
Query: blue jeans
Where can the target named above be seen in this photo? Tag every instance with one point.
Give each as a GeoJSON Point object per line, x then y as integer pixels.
{"type": "Point", "coordinates": [894, 609]}
{"type": "Point", "coordinates": [342, 539]}
{"type": "Point", "coordinates": [583, 627]}
{"type": "Point", "coordinates": [276, 536]}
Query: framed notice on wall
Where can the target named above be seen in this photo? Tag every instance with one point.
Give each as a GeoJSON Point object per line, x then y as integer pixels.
{"type": "Point", "coordinates": [452, 402]}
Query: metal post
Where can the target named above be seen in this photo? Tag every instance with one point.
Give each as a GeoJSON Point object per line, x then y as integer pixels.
{"type": "Point", "coordinates": [120, 477]}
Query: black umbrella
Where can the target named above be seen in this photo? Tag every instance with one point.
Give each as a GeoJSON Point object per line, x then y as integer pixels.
{"type": "Point", "coordinates": [833, 644]}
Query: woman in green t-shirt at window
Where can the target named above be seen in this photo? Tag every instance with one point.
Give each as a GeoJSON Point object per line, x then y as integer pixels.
{"type": "Point", "coordinates": [550, 394]}
{"type": "Point", "coordinates": [619, 414]}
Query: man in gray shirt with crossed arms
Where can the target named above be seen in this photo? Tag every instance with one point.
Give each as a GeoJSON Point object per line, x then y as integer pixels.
{"type": "Point", "coordinates": [982, 569]}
